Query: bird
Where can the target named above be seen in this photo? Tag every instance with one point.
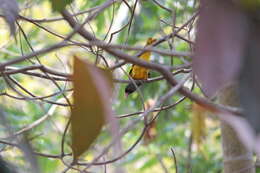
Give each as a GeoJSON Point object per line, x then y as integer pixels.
{"type": "Point", "coordinates": [139, 73]}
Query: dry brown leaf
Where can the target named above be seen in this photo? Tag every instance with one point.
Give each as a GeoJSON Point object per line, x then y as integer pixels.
{"type": "Point", "coordinates": [92, 94]}
{"type": "Point", "coordinates": [151, 132]}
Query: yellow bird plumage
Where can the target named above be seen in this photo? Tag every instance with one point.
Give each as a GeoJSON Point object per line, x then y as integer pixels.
{"type": "Point", "coordinates": [138, 72]}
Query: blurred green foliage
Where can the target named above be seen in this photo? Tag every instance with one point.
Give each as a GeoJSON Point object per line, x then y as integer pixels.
{"type": "Point", "coordinates": [172, 125]}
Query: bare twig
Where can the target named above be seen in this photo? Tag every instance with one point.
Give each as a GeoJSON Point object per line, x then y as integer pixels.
{"type": "Point", "coordinates": [175, 160]}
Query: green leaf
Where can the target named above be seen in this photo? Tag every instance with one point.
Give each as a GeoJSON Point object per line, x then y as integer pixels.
{"type": "Point", "coordinates": [59, 5]}
{"type": "Point", "coordinates": [92, 92]}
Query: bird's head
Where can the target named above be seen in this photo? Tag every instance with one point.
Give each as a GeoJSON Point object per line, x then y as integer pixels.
{"type": "Point", "coordinates": [131, 87]}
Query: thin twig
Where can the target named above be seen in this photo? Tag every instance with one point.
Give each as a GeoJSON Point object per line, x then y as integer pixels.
{"type": "Point", "coordinates": [175, 160]}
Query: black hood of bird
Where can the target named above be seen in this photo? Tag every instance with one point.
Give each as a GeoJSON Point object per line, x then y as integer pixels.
{"type": "Point", "coordinates": [131, 87]}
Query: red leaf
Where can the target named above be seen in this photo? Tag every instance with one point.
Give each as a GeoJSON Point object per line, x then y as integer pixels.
{"type": "Point", "coordinates": [220, 42]}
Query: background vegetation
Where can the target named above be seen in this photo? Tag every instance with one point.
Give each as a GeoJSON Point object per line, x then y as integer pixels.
{"type": "Point", "coordinates": [35, 91]}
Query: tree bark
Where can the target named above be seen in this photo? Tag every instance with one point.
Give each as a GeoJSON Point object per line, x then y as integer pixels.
{"type": "Point", "coordinates": [236, 157]}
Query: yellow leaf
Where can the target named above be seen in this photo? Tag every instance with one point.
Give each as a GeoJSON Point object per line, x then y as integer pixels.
{"type": "Point", "coordinates": [198, 124]}
{"type": "Point", "coordinates": [92, 92]}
